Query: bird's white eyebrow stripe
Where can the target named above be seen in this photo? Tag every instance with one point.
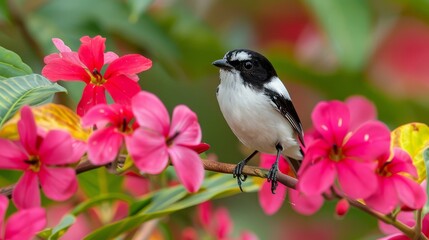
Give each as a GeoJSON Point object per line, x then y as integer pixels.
{"type": "Point", "coordinates": [240, 56]}
{"type": "Point", "coordinates": [276, 85]}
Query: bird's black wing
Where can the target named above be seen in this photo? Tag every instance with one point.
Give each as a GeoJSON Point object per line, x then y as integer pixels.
{"type": "Point", "coordinates": [286, 108]}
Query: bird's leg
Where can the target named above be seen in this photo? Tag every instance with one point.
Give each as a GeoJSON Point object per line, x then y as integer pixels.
{"type": "Point", "coordinates": [238, 171]}
{"type": "Point", "coordinates": [272, 174]}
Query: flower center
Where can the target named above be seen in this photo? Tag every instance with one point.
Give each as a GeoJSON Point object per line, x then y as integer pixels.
{"type": "Point", "coordinates": [336, 153]}
{"type": "Point", "coordinates": [34, 163]}
{"type": "Point", "coordinates": [383, 170]}
{"type": "Point", "coordinates": [170, 140]}
{"type": "Point", "coordinates": [97, 78]}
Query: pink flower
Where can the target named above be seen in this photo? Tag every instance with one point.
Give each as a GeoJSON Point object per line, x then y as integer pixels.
{"type": "Point", "coordinates": [269, 202]}
{"type": "Point", "coordinates": [23, 224]}
{"type": "Point", "coordinates": [408, 219]}
{"type": "Point", "coordinates": [119, 79]}
{"type": "Point", "coordinates": [42, 159]}
{"type": "Point", "coordinates": [156, 140]}
{"type": "Point", "coordinates": [343, 153]}
{"type": "Point", "coordinates": [218, 223]}
{"type": "Point", "coordinates": [394, 186]}
{"type": "Point", "coordinates": [112, 123]}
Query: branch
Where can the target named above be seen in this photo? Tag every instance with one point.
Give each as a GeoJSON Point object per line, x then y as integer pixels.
{"type": "Point", "coordinates": [210, 165]}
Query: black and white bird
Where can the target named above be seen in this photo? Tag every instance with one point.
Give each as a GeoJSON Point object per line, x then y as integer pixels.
{"type": "Point", "coordinates": [259, 110]}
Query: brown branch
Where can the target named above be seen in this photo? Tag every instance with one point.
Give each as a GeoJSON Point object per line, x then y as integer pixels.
{"type": "Point", "coordinates": [210, 165]}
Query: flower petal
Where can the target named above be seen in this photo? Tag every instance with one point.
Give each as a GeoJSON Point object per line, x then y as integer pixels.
{"type": "Point", "coordinates": [122, 89]}
{"type": "Point", "coordinates": [409, 192]}
{"type": "Point", "coordinates": [331, 120]}
{"type": "Point", "coordinates": [26, 193]}
{"type": "Point", "coordinates": [127, 65]}
{"type": "Point", "coordinates": [27, 130]}
{"type": "Point", "coordinates": [91, 52]}
{"type": "Point", "coordinates": [269, 202]}
{"type": "Point", "coordinates": [148, 150]}
{"type": "Point", "coordinates": [14, 157]}
{"type": "Point", "coordinates": [188, 166]}
{"type": "Point", "coordinates": [385, 199]}
{"type": "Point", "coordinates": [4, 203]}
{"type": "Point", "coordinates": [104, 145]}
{"type": "Point", "coordinates": [150, 112]}
{"type": "Point", "coordinates": [223, 223]}
{"type": "Point", "coordinates": [59, 44]}
{"type": "Point", "coordinates": [303, 204]}
{"type": "Point", "coordinates": [405, 217]}
{"type": "Point", "coordinates": [361, 111]}
{"type": "Point", "coordinates": [58, 184]}
{"type": "Point", "coordinates": [57, 149]}
{"type": "Point", "coordinates": [369, 141]}
{"type": "Point", "coordinates": [92, 95]}
{"type": "Point", "coordinates": [25, 224]}
{"type": "Point", "coordinates": [57, 68]}
{"type": "Point", "coordinates": [110, 57]}
{"type": "Point", "coordinates": [317, 178]}
{"type": "Point", "coordinates": [185, 123]}
{"type": "Point", "coordinates": [402, 163]}
{"type": "Point", "coordinates": [357, 179]}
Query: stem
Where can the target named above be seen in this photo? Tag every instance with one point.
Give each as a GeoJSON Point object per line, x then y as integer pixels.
{"type": "Point", "coordinates": [418, 226]}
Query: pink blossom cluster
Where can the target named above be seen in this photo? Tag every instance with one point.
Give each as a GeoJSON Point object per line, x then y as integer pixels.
{"type": "Point", "coordinates": [215, 223]}
{"type": "Point", "coordinates": [349, 154]}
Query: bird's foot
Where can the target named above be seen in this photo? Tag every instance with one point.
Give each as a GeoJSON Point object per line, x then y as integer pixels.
{"type": "Point", "coordinates": [272, 177]}
{"type": "Point", "coordinates": [238, 173]}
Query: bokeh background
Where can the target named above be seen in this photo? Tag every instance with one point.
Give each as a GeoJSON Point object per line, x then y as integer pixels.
{"type": "Point", "coordinates": [322, 50]}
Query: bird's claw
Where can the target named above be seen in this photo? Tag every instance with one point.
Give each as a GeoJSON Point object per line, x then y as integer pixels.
{"type": "Point", "coordinates": [272, 177]}
{"type": "Point", "coordinates": [238, 173]}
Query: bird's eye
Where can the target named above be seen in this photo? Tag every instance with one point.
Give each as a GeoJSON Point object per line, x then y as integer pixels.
{"type": "Point", "coordinates": [248, 65]}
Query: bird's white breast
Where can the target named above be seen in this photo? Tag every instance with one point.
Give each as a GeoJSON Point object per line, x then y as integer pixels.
{"type": "Point", "coordinates": [252, 117]}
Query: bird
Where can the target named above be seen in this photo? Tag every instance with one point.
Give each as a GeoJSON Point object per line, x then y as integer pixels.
{"type": "Point", "coordinates": [258, 108]}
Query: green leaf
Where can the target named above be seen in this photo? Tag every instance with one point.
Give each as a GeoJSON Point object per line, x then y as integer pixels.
{"type": "Point", "coordinates": [413, 138]}
{"type": "Point", "coordinates": [426, 158]}
{"type": "Point", "coordinates": [65, 223]}
{"type": "Point", "coordinates": [24, 90]}
{"type": "Point", "coordinates": [348, 26]}
{"type": "Point", "coordinates": [11, 64]}
{"type": "Point", "coordinates": [167, 201]}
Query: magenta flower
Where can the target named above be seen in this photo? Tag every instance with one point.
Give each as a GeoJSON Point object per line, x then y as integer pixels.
{"type": "Point", "coordinates": [119, 79]}
{"type": "Point", "coordinates": [343, 153]}
{"type": "Point", "coordinates": [394, 186]}
{"type": "Point", "coordinates": [156, 140]}
{"type": "Point", "coordinates": [42, 159]}
{"type": "Point", "coordinates": [408, 219]}
{"type": "Point", "coordinates": [269, 202]}
{"type": "Point", "coordinates": [113, 124]}
{"type": "Point", "coordinates": [21, 225]}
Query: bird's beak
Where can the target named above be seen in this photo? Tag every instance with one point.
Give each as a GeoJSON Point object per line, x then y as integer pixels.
{"type": "Point", "coordinates": [222, 63]}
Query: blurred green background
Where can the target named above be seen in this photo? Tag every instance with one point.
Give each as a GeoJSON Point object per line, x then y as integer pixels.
{"type": "Point", "coordinates": [328, 49]}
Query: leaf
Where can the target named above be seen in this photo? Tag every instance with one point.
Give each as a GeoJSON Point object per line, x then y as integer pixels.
{"type": "Point", "coordinates": [65, 223]}
{"type": "Point", "coordinates": [348, 26]}
{"type": "Point", "coordinates": [426, 159]}
{"type": "Point", "coordinates": [24, 90]}
{"type": "Point", "coordinates": [11, 65]}
{"type": "Point", "coordinates": [48, 117]}
{"type": "Point", "coordinates": [215, 186]}
{"type": "Point", "coordinates": [413, 138]}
